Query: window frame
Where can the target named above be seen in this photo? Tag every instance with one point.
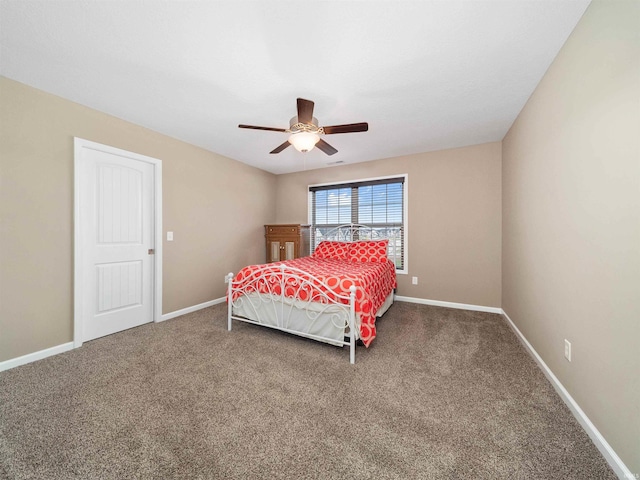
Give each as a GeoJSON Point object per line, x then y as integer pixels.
{"type": "Point", "coordinates": [405, 207]}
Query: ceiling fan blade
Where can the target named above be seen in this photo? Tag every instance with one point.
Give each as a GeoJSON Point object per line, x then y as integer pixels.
{"type": "Point", "coordinates": [253, 127]}
{"type": "Point", "coordinates": [325, 147]}
{"type": "Point", "coordinates": [279, 148]}
{"type": "Point", "coordinates": [305, 111]}
{"type": "Point", "coordinates": [348, 128]}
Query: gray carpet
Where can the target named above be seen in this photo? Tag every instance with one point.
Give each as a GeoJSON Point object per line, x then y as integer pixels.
{"type": "Point", "coordinates": [441, 393]}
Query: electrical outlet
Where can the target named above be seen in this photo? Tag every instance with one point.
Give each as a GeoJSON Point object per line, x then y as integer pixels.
{"type": "Point", "coordinates": [414, 280]}
{"type": "Point", "coordinates": [567, 349]}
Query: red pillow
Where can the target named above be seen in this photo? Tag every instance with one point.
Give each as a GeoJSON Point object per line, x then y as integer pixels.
{"type": "Point", "coordinates": [368, 251]}
{"type": "Point", "coordinates": [333, 250]}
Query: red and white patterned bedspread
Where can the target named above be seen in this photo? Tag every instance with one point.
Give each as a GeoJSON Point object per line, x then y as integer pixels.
{"type": "Point", "coordinates": [373, 281]}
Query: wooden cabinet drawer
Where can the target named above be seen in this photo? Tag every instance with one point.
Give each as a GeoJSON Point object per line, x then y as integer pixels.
{"type": "Point", "coordinates": [282, 229]}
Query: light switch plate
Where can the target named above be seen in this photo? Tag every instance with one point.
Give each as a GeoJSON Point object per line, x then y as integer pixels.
{"type": "Point", "coordinates": [169, 236]}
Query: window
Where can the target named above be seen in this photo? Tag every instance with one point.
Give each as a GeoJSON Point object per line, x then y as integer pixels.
{"type": "Point", "coordinates": [378, 203]}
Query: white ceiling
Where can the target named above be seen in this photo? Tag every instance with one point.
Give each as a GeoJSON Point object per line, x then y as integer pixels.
{"type": "Point", "coordinates": [426, 75]}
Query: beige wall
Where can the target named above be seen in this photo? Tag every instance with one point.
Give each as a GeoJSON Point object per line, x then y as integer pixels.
{"type": "Point", "coordinates": [454, 218]}
{"type": "Point", "coordinates": [213, 234]}
{"type": "Point", "coordinates": [571, 220]}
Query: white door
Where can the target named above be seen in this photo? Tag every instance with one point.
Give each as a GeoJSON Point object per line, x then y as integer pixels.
{"type": "Point", "coordinates": [116, 197]}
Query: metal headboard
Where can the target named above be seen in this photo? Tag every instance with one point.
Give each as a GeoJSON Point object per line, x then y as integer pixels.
{"type": "Point", "coordinates": [353, 232]}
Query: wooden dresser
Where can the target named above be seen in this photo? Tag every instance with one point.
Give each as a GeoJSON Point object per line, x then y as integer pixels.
{"type": "Point", "coordinates": [286, 242]}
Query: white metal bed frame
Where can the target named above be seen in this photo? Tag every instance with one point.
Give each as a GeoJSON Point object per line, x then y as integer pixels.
{"type": "Point", "coordinates": [339, 308]}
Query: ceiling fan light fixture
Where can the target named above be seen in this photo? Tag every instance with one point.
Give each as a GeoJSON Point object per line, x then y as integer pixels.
{"type": "Point", "coordinates": [304, 141]}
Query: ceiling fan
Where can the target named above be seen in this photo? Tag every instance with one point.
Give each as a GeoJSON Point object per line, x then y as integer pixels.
{"type": "Point", "coordinates": [305, 132]}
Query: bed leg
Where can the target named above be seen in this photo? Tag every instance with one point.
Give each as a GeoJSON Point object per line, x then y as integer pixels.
{"type": "Point", "coordinates": [229, 302]}
{"type": "Point", "coordinates": [352, 325]}
{"type": "Point", "coordinates": [352, 355]}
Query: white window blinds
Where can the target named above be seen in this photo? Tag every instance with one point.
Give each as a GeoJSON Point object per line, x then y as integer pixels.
{"type": "Point", "coordinates": [376, 203]}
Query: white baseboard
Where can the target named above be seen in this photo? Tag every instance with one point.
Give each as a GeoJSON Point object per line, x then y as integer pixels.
{"type": "Point", "coordinates": [459, 306]}
{"type": "Point", "coordinates": [607, 452]}
{"type": "Point", "coordinates": [32, 357]}
{"type": "Point", "coordinates": [194, 308]}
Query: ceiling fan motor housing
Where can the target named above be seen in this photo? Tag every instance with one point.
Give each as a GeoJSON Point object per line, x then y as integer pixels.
{"type": "Point", "coordinates": [296, 126]}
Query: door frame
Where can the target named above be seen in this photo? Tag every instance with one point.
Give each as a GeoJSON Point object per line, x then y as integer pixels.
{"type": "Point", "coordinates": [78, 288]}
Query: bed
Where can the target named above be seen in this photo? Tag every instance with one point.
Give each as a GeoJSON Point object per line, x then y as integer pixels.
{"type": "Point", "coordinates": [333, 296]}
